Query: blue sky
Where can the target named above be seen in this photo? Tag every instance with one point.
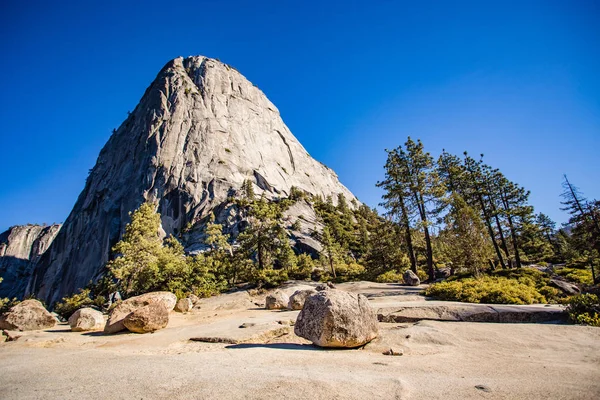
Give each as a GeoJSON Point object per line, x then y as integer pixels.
{"type": "Point", "coordinates": [518, 81]}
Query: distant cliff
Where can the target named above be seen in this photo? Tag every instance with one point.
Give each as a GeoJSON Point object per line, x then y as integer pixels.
{"type": "Point", "coordinates": [20, 249]}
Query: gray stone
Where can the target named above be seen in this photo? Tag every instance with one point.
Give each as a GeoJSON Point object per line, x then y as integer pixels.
{"type": "Point", "coordinates": [297, 299]}
{"type": "Point", "coordinates": [410, 278]}
{"type": "Point", "coordinates": [567, 288]}
{"type": "Point", "coordinates": [117, 316]}
{"type": "Point", "coordinates": [277, 301]}
{"type": "Point", "coordinates": [28, 315]}
{"type": "Point", "coordinates": [20, 249]}
{"type": "Point", "coordinates": [200, 130]}
{"type": "Point", "coordinates": [334, 318]}
{"type": "Point", "coordinates": [184, 305]}
{"type": "Point", "coordinates": [147, 319]}
{"type": "Point", "coordinates": [86, 319]}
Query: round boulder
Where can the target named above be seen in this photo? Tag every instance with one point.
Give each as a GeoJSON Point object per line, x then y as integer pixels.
{"type": "Point", "coordinates": [124, 308]}
{"type": "Point", "coordinates": [28, 315]}
{"type": "Point", "coordinates": [86, 319]}
{"type": "Point", "coordinates": [410, 278]}
{"type": "Point", "coordinates": [334, 318]}
{"type": "Point", "coordinates": [277, 301]}
{"type": "Point", "coordinates": [297, 299]}
{"type": "Point", "coordinates": [146, 319]}
{"type": "Point", "coordinates": [184, 305]}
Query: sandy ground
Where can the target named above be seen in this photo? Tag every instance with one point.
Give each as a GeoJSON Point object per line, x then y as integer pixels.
{"type": "Point", "coordinates": [445, 360]}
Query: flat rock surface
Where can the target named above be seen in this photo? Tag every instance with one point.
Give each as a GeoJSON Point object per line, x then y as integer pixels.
{"type": "Point", "coordinates": [441, 359]}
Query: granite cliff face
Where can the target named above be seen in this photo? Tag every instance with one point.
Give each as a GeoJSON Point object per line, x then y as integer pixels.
{"type": "Point", "coordinates": [20, 249]}
{"type": "Point", "coordinates": [200, 130]}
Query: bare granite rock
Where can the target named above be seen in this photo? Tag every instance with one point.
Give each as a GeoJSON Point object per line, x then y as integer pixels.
{"type": "Point", "coordinates": [334, 318]}
{"type": "Point", "coordinates": [28, 315]}
{"type": "Point", "coordinates": [147, 319]}
{"type": "Point", "coordinates": [86, 319]}
{"type": "Point", "coordinates": [410, 278]}
{"type": "Point", "coordinates": [277, 301]}
{"type": "Point", "coordinates": [199, 132]}
{"type": "Point", "coordinates": [20, 249]}
{"type": "Point", "coordinates": [299, 297]}
{"type": "Point", "coordinates": [184, 305]}
{"type": "Point", "coordinates": [118, 315]}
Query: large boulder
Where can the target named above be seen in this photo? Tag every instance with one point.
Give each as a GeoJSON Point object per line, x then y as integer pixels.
{"type": "Point", "coordinates": [123, 309]}
{"type": "Point", "coordinates": [184, 305]}
{"type": "Point", "coordinates": [334, 318]}
{"type": "Point", "coordinates": [411, 279]}
{"type": "Point", "coordinates": [297, 299]}
{"type": "Point", "coordinates": [86, 319]}
{"type": "Point", "coordinates": [28, 315]}
{"type": "Point", "coordinates": [277, 301]}
{"type": "Point", "coordinates": [146, 319]}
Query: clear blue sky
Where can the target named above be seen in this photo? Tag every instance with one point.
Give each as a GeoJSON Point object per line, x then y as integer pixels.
{"type": "Point", "coordinates": [518, 81]}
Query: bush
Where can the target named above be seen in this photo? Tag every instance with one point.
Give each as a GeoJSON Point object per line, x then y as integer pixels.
{"type": "Point", "coordinates": [303, 268]}
{"type": "Point", "coordinates": [584, 309]}
{"type": "Point", "coordinates": [578, 275]}
{"type": "Point", "coordinates": [390, 277]}
{"type": "Point", "coordinates": [6, 304]}
{"type": "Point", "coordinates": [487, 289]}
{"type": "Point", "coordinates": [349, 272]}
{"type": "Point", "coordinates": [398, 277]}
{"type": "Point", "coordinates": [72, 303]}
{"type": "Point", "coordinates": [268, 278]}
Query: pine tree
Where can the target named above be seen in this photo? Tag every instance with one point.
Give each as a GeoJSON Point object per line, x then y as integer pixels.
{"type": "Point", "coordinates": [464, 236]}
{"type": "Point", "coordinates": [395, 199]}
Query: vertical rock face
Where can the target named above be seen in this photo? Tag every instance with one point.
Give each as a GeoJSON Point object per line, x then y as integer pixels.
{"type": "Point", "coordinates": [20, 249]}
{"type": "Point", "coordinates": [200, 130]}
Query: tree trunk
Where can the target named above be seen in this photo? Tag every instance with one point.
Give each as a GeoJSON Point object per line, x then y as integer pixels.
{"type": "Point", "coordinates": [491, 231]}
{"type": "Point", "coordinates": [409, 244]}
{"type": "Point", "coordinates": [423, 214]}
{"type": "Point", "coordinates": [513, 232]}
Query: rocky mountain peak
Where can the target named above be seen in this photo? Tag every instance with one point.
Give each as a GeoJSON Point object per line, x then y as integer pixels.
{"type": "Point", "coordinates": [199, 132]}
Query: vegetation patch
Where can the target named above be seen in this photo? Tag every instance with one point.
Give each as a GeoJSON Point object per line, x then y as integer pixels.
{"type": "Point", "coordinates": [584, 309]}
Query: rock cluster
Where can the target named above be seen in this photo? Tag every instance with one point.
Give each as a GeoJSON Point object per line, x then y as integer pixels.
{"type": "Point", "coordinates": [117, 317]}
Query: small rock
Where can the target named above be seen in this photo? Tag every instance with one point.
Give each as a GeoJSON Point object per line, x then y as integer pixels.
{"type": "Point", "coordinates": [277, 301]}
{"type": "Point", "coordinates": [247, 325]}
{"type": "Point", "coordinates": [86, 319]}
{"type": "Point", "coordinates": [184, 305]}
{"type": "Point", "coordinates": [483, 388]}
{"type": "Point", "coordinates": [146, 319]}
{"type": "Point", "coordinates": [392, 352]}
{"type": "Point", "coordinates": [410, 278]}
{"type": "Point", "coordinates": [299, 297]}
{"type": "Point", "coordinates": [11, 336]}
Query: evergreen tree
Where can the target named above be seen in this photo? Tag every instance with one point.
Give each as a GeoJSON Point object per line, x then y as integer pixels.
{"type": "Point", "coordinates": [464, 236]}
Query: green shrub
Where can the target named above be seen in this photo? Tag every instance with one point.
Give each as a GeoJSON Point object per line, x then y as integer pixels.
{"type": "Point", "coordinates": [390, 277]}
{"type": "Point", "coordinates": [584, 309]}
{"type": "Point", "coordinates": [6, 304]}
{"type": "Point", "coordinates": [398, 277]}
{"type": "Point", "coordinates": [268, 278]}
{"type": "Point", "coordinates": [72, 303]}
{"type": "Point", "coordinates": [349, 272]}
{"type": "Point", "coordinates": [487, 289]}
{"type": "Point", "coordinates": [303, 268]}
{"type": "Point", "coordinates": [578, 275]}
